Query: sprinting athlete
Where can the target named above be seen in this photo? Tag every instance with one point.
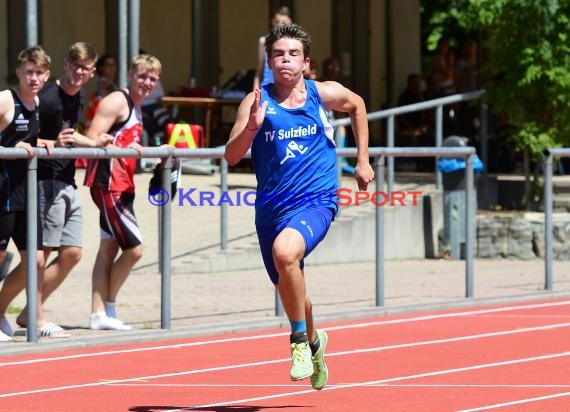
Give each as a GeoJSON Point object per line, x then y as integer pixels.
{"type": "Point", "coordinates": [113, 190]}
{"type": "Point", "coordinates": [293, 153]}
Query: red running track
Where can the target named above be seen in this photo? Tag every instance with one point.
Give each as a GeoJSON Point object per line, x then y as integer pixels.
{"type": "Point", "coordinates": [507, 358]}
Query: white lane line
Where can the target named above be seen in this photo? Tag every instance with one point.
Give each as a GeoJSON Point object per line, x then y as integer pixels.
{"type": "Point", "coordinates": [456, 339]}
{"type": "Point", "coordinates": [280, 334]}
{"type": "Point", "coordinates": [140, 378]}
{"type": "Point", "coordinates": [269, 362]}
{"type": "Point", "coordinates": [395, 379]}
{"type": "Point", "coordinates": [379, 385]}
{"type": "Point", "coordinates": [517, 402]}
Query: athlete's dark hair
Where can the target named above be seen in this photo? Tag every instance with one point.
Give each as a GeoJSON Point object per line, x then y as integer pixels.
{"type": "Point", "coordinates": [288, 31]}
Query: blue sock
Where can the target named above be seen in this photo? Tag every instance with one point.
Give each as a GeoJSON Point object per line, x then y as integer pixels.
{"type": "Point", "coordinates": [298, 326]}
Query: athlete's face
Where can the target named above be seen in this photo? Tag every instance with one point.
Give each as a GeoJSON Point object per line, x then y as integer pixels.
{"type": "Point", "coordinates": [78, 73]}
{"type": "Point", "coordinates": [32, 77]}
{"type": "Point", "coordinates": [143, 81]}
{"type": "Point", "coordinates": [287, 59]}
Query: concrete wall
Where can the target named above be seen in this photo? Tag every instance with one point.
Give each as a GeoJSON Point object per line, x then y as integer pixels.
{"type": "Point", "coordinates": [405, 236]}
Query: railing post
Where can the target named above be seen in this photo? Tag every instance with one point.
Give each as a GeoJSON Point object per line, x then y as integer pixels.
{"type": "Point", "coordinates": [379, 227]}
{"type": "Point", "coordinates": [469, 225]}
{"type": "Point", "coordinates": [165, 246]}
{"type": "Point", "coordinates": [390, 140]}
{"type": "Point", "coordinates": [438, 142]}
{"type": "Point", "coordinates": [548, 223]}
{"type": "Point", "coordinates": [32, 249]}
{"type": "Point", "coordinates": [224, 206]}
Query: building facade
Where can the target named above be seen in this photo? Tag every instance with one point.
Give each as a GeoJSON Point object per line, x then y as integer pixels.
{"type": "Point", "coordinates": [377, 41]}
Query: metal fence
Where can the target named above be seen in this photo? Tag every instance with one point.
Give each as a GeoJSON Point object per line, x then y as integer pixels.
{"type": "Point", "coordinates": [380, 154]}
{"type": "Point", "coordinates": [437, 104]}
{"type": "Point", "coordinates": [549, 156]}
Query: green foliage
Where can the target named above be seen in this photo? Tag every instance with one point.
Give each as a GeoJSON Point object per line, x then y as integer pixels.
{"type": "Point", "coordinates": [527, 65]}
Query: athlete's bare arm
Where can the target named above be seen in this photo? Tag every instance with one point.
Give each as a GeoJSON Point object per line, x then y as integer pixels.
{"type": "Point", "coordinates": [249, 119]}
{"type": "Point", "coordinates": [337, 97]}
{"type": "Point", "coordinates": [6, 109]}
{"type": "Point", "coordinates": [114, 108]}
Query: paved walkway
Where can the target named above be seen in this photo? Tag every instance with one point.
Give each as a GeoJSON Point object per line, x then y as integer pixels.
{"type": "Point", "coordinates": [230, 301]}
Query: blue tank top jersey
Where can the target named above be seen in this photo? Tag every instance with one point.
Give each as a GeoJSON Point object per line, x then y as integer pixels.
{"type": "Point", "coordinates": [294, 158]}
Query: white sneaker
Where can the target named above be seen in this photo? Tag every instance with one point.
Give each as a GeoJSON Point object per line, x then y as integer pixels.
{"type": "Point", "coordinates": [5, 328]}
{"type": "Point", "coordinates": [4, 337]}
{"type": "Point", "coordinates": [100, 321]}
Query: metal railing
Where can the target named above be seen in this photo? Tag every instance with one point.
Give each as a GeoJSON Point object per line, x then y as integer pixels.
{"type": "Point", "coordinates": [549, 156]}
{"type": "Point", "coordinates": [165, 227]}
{"type": "Point", "coordinates": [380, 155]}
{"type": "Point", "coordinates": [438, 104]}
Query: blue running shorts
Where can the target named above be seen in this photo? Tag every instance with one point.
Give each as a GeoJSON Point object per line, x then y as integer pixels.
{"type": "Point", "coordinates": [312, 223]}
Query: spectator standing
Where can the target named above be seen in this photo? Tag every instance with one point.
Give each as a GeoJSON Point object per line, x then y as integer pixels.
{"type": "Point", "coordinates": [263, 74]}
{"type": "Point", "coordinates": [466, 67]}
{"type": "Point", "coordinates": [19, 127]}
{"type": "Point", "coordinates": [413, 128]}
{"type": "Point", "coordinates": [443, 67]}
{"type": "Point", "coordinates": [113, 190]}
{"type": "Point", "coordinates": [466, 74]}
{"type": "Point", "coordinates": [411, 124]}
{"type": "Point", "coordinates": [289, 169]}
{"type": "Point", "coordinates": [61, 103]}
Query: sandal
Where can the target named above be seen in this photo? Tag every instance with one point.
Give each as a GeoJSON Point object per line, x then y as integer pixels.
{"type": "Point", "coordinates": [52, 330]}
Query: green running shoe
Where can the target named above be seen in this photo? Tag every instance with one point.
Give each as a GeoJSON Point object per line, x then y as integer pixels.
{"type": "Point", "coordinates": [301, 365]}
{"type": "Point", "coordinates": [320, 371]}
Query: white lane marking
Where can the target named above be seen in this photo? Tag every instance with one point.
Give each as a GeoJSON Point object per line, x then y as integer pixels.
{"type": "Point", "coordinates": [399, 378]}
{"type": "Point", "coordinates": [456, 339]}
{"type": "Point", "coordinates": [269, 362]}
{"type": "Point", "coordinates": [517, 402]}
{"type": "Point", "coordinates": [379, 385]}
{"type": "Point", "coordinates": [280, 334]}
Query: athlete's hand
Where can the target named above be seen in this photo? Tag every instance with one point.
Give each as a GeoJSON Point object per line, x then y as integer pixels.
{"type": "Point", "coordinates": [137, 147]}
{"type": "Point", "coordinates": [65, 138]}
{"type": "Point", "coordinates": [103, 140]}
{"type": "Point", "coordinates": [47, 144]}
{"type": "Point", "coordinates": [27, 146]}
{"type": "Point", "coordinates": [256, 113]}
{"type": "Point", "coordinates": [364, 174]}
